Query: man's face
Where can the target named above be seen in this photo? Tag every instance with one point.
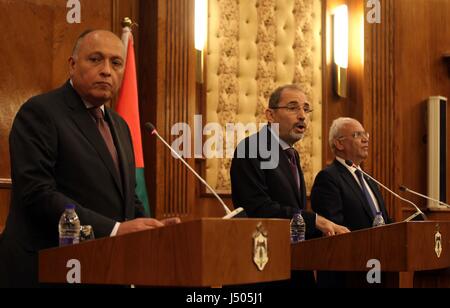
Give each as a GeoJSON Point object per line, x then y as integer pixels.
{"type": "Point", "coordinates": [97, 69]}
{"type": "Point", "coordinates": [290, 115]}
{"type": "Point", "coordinates": [353, 142]}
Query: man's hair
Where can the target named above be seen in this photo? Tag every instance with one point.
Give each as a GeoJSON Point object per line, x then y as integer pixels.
{"type": "Point", "coordinates": [276, 95]}
{"type": "Point", "coordinates": [335, 130]}
{"type": "Point", "coordinates": [80, 38]}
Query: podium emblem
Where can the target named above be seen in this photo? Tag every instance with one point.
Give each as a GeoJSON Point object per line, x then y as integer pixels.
{"type": "Point", "coordinates": [438, 242]}
{"type": "Point", "coordinates": [260, 250]}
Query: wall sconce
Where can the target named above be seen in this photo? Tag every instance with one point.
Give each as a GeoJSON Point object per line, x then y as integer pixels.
{"type": "Point", "coordinates": [340, 49]}
{"type": "Point", "coordinates": [201, 33]}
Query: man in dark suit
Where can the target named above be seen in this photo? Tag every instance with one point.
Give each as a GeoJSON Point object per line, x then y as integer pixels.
{"type": "Point", "coordinates": [266, 177]}
{"type": "Point", "coordinates": [337, 193]}
{"type": "Point", "coordinates": [67, 147]}
{"type": "Point", "coordinates": [340, 192]}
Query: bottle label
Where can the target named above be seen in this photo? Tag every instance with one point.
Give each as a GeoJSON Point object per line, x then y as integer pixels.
{"type": "Point", "coordinates": [67, 241]}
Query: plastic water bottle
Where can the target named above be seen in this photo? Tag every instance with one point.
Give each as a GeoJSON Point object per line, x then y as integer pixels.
{"type": "Point", "coordinates": [298, 227]}
{"type": "Point", "coordinates": [69, 227]}
{"type": "Point", "coordinates": [378, 220]}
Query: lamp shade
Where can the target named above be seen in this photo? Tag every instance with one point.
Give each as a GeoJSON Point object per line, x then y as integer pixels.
{"type": "Point", "coordinates": [340, 36]}
{"type": "Point", "coordinates": [201, 23]}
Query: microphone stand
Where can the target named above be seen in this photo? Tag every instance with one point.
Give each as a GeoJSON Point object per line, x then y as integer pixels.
{"type": "Point", "coordinates": [229, 214]}
{"type": "Point", "coordinates": [418, 211]}
{"type": "Point", "coordinates": [406, 189]}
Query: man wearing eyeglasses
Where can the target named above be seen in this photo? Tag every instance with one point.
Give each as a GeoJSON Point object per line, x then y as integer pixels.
{"type": "Point", "coordinates": [340, 192]}
{"type": "Point", "coordinates": [280, 191]}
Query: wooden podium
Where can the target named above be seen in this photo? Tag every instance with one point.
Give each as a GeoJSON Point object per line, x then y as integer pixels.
{"type": "Point", "coordinates": [408, 250]}
{"type": "Point", "coordinates": [200, 253]}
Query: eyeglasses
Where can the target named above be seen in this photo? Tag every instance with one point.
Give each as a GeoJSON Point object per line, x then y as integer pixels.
{"type": "Point", "coordinates": [295, 108]}
{"type": "Point", "coordinates": [358, 135]}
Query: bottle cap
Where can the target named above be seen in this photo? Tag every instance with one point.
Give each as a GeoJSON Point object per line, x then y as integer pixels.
{"type": "Point", "coordinates": [297, 210]}
{"type": "Point", "coordinates": [70, 206]}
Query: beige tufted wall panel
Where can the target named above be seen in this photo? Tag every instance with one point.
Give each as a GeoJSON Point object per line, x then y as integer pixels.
{"type": "Point", "coordinates": [255, 46]}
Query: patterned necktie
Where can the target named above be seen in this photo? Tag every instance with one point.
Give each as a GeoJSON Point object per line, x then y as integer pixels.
{"type": "Point", "coordinates": [366, 192]}
{"type": "Point", "coordinates": [291, 154]}
{"type": "Point", "coordinates": [104, 130]}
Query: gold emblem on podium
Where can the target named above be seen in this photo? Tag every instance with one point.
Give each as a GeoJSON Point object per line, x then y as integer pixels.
{"type": "Point", "coordinates": [438, 242]}
{"type": "Point", "coordinates": [260, 249]}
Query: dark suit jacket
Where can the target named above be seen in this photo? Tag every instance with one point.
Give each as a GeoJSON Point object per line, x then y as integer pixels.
{"type": "Point", "coordinates": [58, 157]}
{"type": "Point", "coordinates": [337, 196]}
{"type": "Point", "coordinates": [267, 193]}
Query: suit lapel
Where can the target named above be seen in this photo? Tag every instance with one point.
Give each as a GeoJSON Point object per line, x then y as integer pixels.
{"type": "Point", "coordinates": [350, 180]}
{"type": "Point", "coordinates": [87, 126]}
{"type": "Point", "coordinates": [122, 156]}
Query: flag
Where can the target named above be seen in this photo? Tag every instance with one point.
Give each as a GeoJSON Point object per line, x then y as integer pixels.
{"type": "Point", "coordinates": [128, 108]}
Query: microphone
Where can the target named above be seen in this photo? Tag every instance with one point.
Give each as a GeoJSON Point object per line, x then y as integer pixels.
{"type": "Point", "coordinates": [418, 211]}
{"type": "Point", "coordinates": [406, 189]}
{"type": "Point", "coordinates": [229, 214]}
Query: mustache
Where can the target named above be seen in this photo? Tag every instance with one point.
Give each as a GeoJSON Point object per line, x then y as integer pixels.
{"type": "Point", "coordinates": [300, 124]}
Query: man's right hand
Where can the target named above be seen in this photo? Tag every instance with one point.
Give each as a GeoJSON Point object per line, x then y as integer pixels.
{"type": "Point", "coordinates": [142, 224]}
{"type": "Point", "coordinates": [328, 227]}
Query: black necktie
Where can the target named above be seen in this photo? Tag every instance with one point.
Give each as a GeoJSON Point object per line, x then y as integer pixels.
{"type": "Point", "coordinates": [366, 192]}
{"type": "Point", "coordinates": [104, 130]}
{"type": "Point", "coordinates": [291, 154]}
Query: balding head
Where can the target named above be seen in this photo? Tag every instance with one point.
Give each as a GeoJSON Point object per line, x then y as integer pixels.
{"type": "Point", "coordinates": [96, 66]}
{"type": "Point", "coordinates": [88, 32]}
{"type": "Point", "coordinates": [336, 130]}
{"type": "Point", "coordinates": [349, 140]}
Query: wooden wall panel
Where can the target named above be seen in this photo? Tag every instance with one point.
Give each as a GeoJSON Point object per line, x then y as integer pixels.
{"type": "Point", "coordinates": [5, 187]}
{"type": "Point", "coordinates": [379, 101]}
{"type": "Point", "coordinates": [23, 73]}
{"type": "Point", "coordinates": [167, 87]}
{"type": "Point", "coordinates": [422, 31]}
